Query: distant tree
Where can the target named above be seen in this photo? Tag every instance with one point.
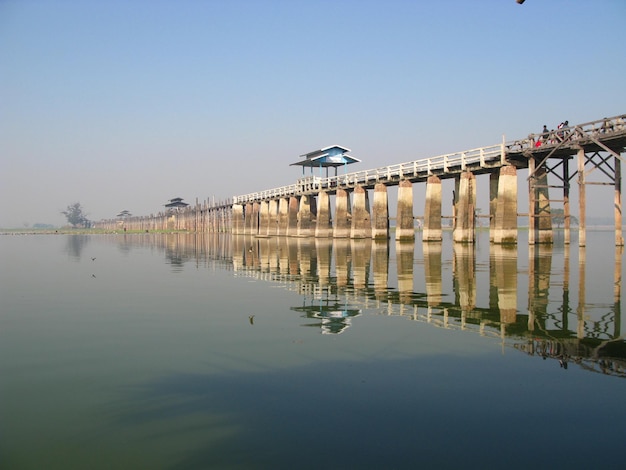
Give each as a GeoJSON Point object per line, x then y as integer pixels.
{"type": "Point", "coordinates": [558, 217]}
{"type": "Point", "coordinates": [75, 215]}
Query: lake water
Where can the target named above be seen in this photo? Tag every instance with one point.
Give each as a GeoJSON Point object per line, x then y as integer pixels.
{"type": "Point", "coordinates": [181, 351]}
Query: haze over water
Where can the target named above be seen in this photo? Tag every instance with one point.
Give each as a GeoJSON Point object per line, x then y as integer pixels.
{"type": "Point", "coordinates": [199, 351]}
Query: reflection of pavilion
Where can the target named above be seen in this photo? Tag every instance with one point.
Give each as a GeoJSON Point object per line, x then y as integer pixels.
{"type": "Point", "coordinates": [334, 317]}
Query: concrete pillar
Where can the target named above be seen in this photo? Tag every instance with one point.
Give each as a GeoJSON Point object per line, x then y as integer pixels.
{"type": "Point", "coordinates": [342, 214]}
{"type": "Point", "coordinates": [264, 217]}
{"type": "Point", "coordinates": [361, 226]}
{"type": "Point", "coordinates": [238, 221]}
{"type": "Point", "coordinates": [380, 228]}
{"type": "Point", "coordinates": [273, 217]}
{"type": "Point", "coordinates": [505, 220]}
{"type": "Point", "coordinates": [465, 209]}
{"type": "Point", "coordinates": [292, 216]}
{"type": "Point", "coordinates": [432, 211]}
{"type": "Point", "coordinates": [305, 216]}
{"type": "Point", "coordinates": [248, 213]}
{"type": "Point", "coordinates": [283, 216]}
{"type": "Point", "coordinates": [323, 226]}
{"type": "Point", "coordinates": [405, 227]}
{"type": "Point", "coordinates": [543, 224]}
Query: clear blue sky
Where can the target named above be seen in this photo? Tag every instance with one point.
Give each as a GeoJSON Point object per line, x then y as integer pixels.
{"type": "Point", "coordinates": [126, 104]}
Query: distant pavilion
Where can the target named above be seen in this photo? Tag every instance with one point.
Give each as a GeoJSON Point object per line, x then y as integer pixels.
{"type": "Point", "coordinates": [176, 203]}
{"type": "Point", "coordinates": [333, 156]}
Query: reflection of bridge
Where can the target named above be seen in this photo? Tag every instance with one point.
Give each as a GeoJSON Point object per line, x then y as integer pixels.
{"type": "Point", "coordinates": [342, 279]}
{"type": "Point", "coordinates": [304, 208]}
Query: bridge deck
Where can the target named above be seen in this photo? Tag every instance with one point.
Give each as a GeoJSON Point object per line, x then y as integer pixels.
{"type": "Point", "coordinates": [594, 136]}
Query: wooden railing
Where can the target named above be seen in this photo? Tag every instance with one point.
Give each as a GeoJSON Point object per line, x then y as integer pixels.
{"type": "Point", "coordinates": [483, 157]}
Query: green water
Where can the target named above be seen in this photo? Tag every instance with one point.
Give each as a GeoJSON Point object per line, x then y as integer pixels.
{"type": "Point", "coordinates": [177, 351]}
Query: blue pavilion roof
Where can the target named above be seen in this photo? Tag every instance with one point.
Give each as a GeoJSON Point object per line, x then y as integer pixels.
{"type": "Point", "coordinates": [334, 155]}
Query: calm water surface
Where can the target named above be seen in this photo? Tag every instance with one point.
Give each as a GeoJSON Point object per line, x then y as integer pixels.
{"type": "Point", "coordinates": [183, 351]}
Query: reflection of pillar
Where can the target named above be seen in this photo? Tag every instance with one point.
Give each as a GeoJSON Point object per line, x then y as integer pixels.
{"type": "Point", "coordinates": [272, 255]}
{"type": "Point", "coordinates": [342, 214]}
{"type": "Point", "coordinates": [323, 226]}
{"type": "Point", "coordinates": [283, 255]}
{"type": "Point", "coordinates": [432, 272]}
{"type": "Point", "coordinates": [404, 261]}
{"type": "Point", "coordinates": [294, 265]}
{"type": "Point", "coordinates": [305, 216]}
{"type": "Point", "coordinates": [432, 210]}
{"type": "Point", "coordinates": [292, 216]}
{"type": "Point", "coordinates": [405, 227]}
{"type": "Point", "coordinates": [324, 248]}
{"type": "Point", "coordinates": [272, 228]}
{"type": "Point", "coordinates": [580, 311]}
{"type": "Point", "coordinates": [238, 251]}
{"type": "Point", "coordinates": [238, 222]}
{"type": "Point", "coordinates": [305, 255]}
{"type": "Point", "coordinates": [464, 272]}
{"type": "Point", "coordinates": [465, 210]}
{"type": "Point", "coordinates": [505, 224]}
{"type": "Point", "coordinates": [265, 254]}
{"type": "Point", "coordinates": [380, 218]}
{"type": "Point", "coordinates": [539, 270]}
{"type": "Point", "coordinates": [361, 226]}
{"type": "Point", "coordinates": [342, 269]}
{"type": "Point", "coordinates": [617, 291]}
{"type": "Point", "coordinates": [361, 256]}
{"type": "Point", "coordinates": [505, 265]}
{"type": "Point", "coordinates": [380, 266]}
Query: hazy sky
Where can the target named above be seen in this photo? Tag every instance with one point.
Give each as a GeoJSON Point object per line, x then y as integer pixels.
{"type": "Point", "coordinates": [126, 104]}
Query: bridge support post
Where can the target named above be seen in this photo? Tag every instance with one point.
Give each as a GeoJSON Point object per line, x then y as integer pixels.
{"type": "Point", "coordinates": [272, 228]}
{"type": "Point", "coordinates": [380, 229]}
{"type": "Point", "coordinates": [432, 211]}
{"type": "Point", "coordinates": [238, 221]}
{"type": "Point", "coordinates": [283, 216]}
{"type": "Point", "coordinates": [505, 226]}
{"type": "Point", "coordinates": [465, 209]}
{"type": "Point", "coordinates": [405, 226]}
{"type": "Point", "coordinates": [619, 239]}
{"type": "Point", "coordinates": [264, 217]}
{"type": "Point", "coordinates": [323, 226]}
{"type": "Point", "coordinates": [361, 226]}
{"type": "Point", "coordinates": [248, 223]}
{"type": "Point", "coordinates": [342, 214]}
{"type": "Point", "coordinates": [292, 216]}
{"type": "Point", "coordinates": [305, 216]}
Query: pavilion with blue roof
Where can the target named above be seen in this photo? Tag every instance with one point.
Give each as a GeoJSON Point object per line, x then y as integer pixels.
{"type": "Point", "coordinates": [332, 156]}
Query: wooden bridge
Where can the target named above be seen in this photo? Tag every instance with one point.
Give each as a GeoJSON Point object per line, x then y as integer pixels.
{"type": "Point", "coordinates": [304, 209]}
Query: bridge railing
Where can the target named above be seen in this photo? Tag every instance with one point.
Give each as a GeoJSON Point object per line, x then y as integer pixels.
{"type": "Point", "coordinates": [554, 137]}
{"type": "Point", "coordinates": [424, 167]}
{"type": "Point", "coordinates": [458, 161]}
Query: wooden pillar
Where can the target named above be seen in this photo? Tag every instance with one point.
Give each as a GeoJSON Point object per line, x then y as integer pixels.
{"type": "Point", "coordinates": [405, 227]}
{"type": "Point", "coordinates": [323, 226]}
{"type": "Point", "coordinates": [505, 226]}
{"type": "Point", "coordinates": [342, 214]}
{"type": "Point", "coordinates": [432, 211]}
{"type": "Point", "coordinates": [582, 228]}
{"type": "Point", "coordinates": [466, 206]}
{"type": "Point", "coordinates": [361, 226]}
{"type": "Point", "coordinates": [619, 239]}
{"type": "Point", "coordinates": [494, 179]}
{"type": "Point", "coordinates": [380, 229]}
